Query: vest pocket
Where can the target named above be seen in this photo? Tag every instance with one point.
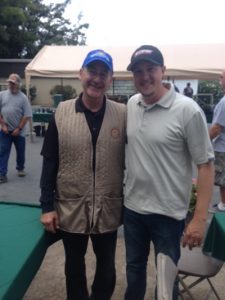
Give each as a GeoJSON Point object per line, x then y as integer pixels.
{"type": "Point", "coordinates": [109, 216]}
{"type": "Point", "coordinates": [74, 214]}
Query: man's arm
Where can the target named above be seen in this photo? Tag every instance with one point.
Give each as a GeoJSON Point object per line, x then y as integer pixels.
{"type": "Point", "coordinates": [21, 125]}
{"type": "Point", "coordinates": [194, 233]}
{"type": "Point", "coordinates": [23, 122]}
{"type": "Point", "coordinates": [49, 217]}
{"type": "Point", "coordinates": [3, 124]}
{"type": "Point", "coordinates": [215, 130]}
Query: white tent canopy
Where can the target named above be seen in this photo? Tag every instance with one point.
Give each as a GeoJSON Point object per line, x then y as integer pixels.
{"type": "Point", "coordinates": [203, 61]}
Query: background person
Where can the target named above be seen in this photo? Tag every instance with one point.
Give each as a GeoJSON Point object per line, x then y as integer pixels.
{"type": "Point", "coordinates": [15, 111]}
{"type": "Point", "coordinates": [82, 178]}
{"type": "Point", "coordinates": [165, 135]}
{"type": "Point", "coordinates": [188, 90]}
{"type": "Point", "coordinates": [217, 135]}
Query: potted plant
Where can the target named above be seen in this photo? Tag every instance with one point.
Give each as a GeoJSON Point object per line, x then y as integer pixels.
{"type": "Point", "coordinates": [193, 200]}
{"type": "Point", "coordinates": [193, 196]}
{"type": "Point", "coordinates": [64, 92]}
{"type": "Point", "coordinates": [32, 91]}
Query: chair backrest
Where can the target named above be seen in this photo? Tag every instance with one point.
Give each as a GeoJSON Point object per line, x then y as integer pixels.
{"type": "Point", "coordinates": [195, 263]}
{"type": "Point", "coordinates": [166, 274]}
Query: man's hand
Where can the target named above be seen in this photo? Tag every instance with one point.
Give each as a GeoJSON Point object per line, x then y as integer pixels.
{"type": "Point", "coordinates": [50, 221]}
{"type": "Point", "coordinates": [5, 129]}
{"type": "Point", "coordinates": [16, 132]}
{"type": "Point", "coordinates": [194, 233]}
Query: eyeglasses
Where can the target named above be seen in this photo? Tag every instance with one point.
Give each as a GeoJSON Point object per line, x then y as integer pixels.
{"type": "Point", "coordinates": [103, 75]}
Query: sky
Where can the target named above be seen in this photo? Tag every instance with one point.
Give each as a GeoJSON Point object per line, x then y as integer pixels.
{"type": "Point", "coordinates": [158, 22]}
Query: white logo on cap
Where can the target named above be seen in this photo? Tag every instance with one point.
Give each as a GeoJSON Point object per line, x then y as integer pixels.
{"type": "Point", "coordinates": [143, 51]}
{"type": "Point", "coordinates": [100, 54]}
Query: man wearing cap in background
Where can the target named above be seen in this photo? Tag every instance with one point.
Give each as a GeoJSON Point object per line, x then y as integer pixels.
{"type": "Point", "coordinates": [166, 132]}
{"type": "Point", "coordinates": [82, 178]}
{"type": "Point", "coordinates": [15, 111]}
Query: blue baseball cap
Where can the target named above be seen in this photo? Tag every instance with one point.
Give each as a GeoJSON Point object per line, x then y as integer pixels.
{"type": "Point", "coordinates": [99, 55]}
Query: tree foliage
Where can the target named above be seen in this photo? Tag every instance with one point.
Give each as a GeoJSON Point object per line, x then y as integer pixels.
{"type": "Point", "coordinates": [67, 91]}
{"type": "Point", "coordinates": [211, 87]}
{"type": "Point", "coordinates": [27, 25]}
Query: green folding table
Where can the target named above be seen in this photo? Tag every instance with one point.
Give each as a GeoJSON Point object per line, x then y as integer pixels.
{"type": "Point", "coordinates": [42, 117]}
{"type": "Point", "coordinates": [23, 244]}
{"type": "Point", "coordinates": [214, 244]}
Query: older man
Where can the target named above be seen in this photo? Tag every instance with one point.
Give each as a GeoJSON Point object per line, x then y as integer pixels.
{"type": "Point", "coordinates": [82, 178]}
{"type": "Point", "coordinates": [15, 111]}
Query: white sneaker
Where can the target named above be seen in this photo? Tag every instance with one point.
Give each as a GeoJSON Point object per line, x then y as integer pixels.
{"type": "Point", "coordinates": [21, 173]}
{"type": "Point", "coordinates": [221, 206]}
{"type": "Point", "coordinates": [217, 207]}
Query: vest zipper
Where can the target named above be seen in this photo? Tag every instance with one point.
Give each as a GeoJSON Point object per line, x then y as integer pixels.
{"type": "Point", "coordinates": [93, 187]}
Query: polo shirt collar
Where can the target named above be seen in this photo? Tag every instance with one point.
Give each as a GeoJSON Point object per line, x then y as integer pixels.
{"type": "Point", "coordinates": [81, 108]}
{"type": "Point", "coordinates": [165, 101]}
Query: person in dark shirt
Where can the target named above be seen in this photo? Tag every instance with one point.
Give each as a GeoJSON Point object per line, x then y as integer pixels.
{"type": "Point", "coordinates": [188, 90]}
{"type": "Point", "coordinates": [82, 178]}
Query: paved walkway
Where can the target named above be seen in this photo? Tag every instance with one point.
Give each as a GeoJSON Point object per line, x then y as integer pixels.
{"type": "Point", "coordinates": [24, 189]}
{"type": "Point", "coordinates": [49, 282]}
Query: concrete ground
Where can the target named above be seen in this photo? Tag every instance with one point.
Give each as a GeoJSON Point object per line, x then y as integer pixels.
{"type": "Point", "coordinates": [49, 282]}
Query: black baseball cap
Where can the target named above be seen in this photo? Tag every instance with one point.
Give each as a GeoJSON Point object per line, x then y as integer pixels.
{"type": "Point", "coordinates": [148, 53]}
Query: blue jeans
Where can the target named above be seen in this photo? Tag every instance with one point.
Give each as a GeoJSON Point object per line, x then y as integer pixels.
{"type": "Point", "coordinates": [6, 141]}
{"type": "Point", "coordinates": [140, 230]}
{"type": "Point", "coordinates": [104, 246]}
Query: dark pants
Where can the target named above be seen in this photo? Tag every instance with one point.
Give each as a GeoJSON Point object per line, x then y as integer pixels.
{"type": "Point", "coordinates": [104, 246]}
{"type": "Point", "coordinates": [6, 141]}
{"type": "Point", "coordinates": [140, 230]}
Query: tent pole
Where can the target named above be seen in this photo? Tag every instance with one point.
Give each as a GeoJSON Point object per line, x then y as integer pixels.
{"type": "Point", "coordinates": [27, 83]}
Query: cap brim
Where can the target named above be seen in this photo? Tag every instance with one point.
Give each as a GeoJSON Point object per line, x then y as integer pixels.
{"type": "Point", "coordinates": [12, 81]}
{"type": "Point", "coordinates": [135, 61]}
{"type": "Point", "coordinates": [101, 60]}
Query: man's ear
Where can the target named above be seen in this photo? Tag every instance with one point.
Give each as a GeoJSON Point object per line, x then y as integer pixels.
{"type": "Point", "coordinates": [81, 72]}
{"type": "Point", "coordinates": [111, 80]}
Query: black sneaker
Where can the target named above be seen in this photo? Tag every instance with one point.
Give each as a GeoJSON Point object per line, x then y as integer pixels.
{"type": "Point", "coordinates": [3, 179]}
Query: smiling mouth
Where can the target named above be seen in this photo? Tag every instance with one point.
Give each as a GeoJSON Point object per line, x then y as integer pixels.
{"type": "Point", "coordinates": [147, 84]}
{"type": "Point", "coordinates": [95, 87]}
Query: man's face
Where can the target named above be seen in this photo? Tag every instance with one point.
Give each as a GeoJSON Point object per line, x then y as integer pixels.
{"type": "Point", "coordinates": [13, 87]}
{"type": "Point", "coordinates": [148, 79]}
{"type": "Point", "coordinates": [95, 79]}
{"type": "Point", "coordinates": [13, 84]}
{"type": "Point", "coordinates": [222, 80]}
